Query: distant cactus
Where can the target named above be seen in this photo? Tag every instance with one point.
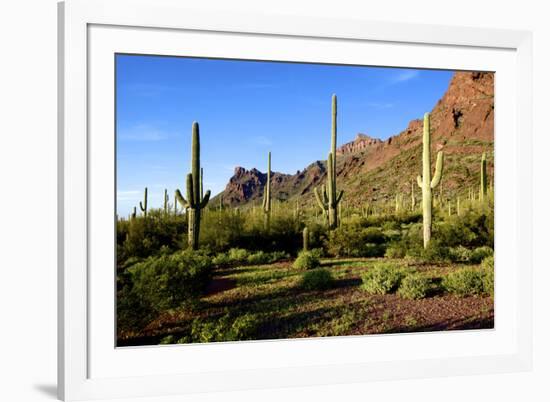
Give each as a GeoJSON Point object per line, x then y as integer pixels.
{"type": "Point", "coordinates": [143, 205]}
{"type": "Point", "coordinates": [267, 194]}
{"type": "Point", "coordinates": [305, 235]}
{"type": "Point", "coordinates": [134, 213]}
{"type": "Point", "coordinates": [329, 198]}
{"type": "Point", "coordinates": [427, 184]}
{"type": "Point", "coordinates": [165, 201]}
{"type": "Point", "coordinates": [194, 204]}
{"type": "Point", "coordinates": [175, 205]}
{"type": "Point", "coordinates": [458, 206]}
{"type": "Point", "coordinates": [483, 178]}
{"type": "Point", "coordinates": [413, 198]}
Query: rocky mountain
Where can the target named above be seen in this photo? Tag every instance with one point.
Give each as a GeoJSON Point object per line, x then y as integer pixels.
{"type": "Point", "coordinates": [369, 169]}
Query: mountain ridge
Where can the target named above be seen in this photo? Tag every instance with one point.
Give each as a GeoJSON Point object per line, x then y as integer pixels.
{"type": "Point", "coordinates": [370, 169]}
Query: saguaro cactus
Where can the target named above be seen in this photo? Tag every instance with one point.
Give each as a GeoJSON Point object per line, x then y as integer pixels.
{"type": "Point", "coordinates": [483, 178]}
{"type": "Point", "coordinates": [426, 183]}
{"type": "Point", "coordinates": [143, 205]}
{"type": "Point", "coordinates": [329, 199]}
{"type": "Point", "coordinates": [194, 204]}
{"type": "Point", "coordinates": [305, 235]}
{"type": "Point", "coordinates": [134, 213]}
{"type": "Point", "coordinates": [267, 194]}
{"type": "Point", "coordinates": [165, 201]}
{"type": "Point", "coordinates": [175, 205]}
{"type": "Point", "coordinates": [413, 198]}
{"type": "Point", "coordinates": [458, 206]}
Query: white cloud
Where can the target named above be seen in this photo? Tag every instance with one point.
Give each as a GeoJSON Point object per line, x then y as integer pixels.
{"type": "Point", "coordinates": [262, 140]}
{"type": "Point", "coordinates": [142, 132]}
{"type": "Point", "coordinates": [404, 76]}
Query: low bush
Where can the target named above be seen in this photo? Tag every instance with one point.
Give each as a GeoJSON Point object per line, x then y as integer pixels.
{"type": "Point", "coordinates": [306, 260]}
{"type": "Point", "coordinates": [480, 253]}
{"type": "Point", "coordinates": [460, 254]}
{"type": "Point", "coordinates": [258, 258]}
{"type": "Point", "coordinates": [488, 263]}
{"type": "Point", "coordinates": [464, 282]}
{"type": "Point", "coordinates": [227, 327]}
{"type": "Point", "coordinates": [488, 271]}
{"type": "Point", "coordinates": [168, 281]}
{"type": "Point", "coordinates": [414, 286]}
{"type": "Point", "coordinates": [317, 279]}
{"type": "Point", "coordinates": [353, 240]}
{"type": "Point", "coordinates": [238, 255]}
{"type": "Point", "coordinates": [382, 279]}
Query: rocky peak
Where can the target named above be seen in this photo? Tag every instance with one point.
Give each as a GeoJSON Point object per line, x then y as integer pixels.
{"type": "Point", "coordinates": [360, 143]}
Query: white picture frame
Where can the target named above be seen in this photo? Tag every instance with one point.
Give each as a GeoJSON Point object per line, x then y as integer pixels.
{"type": "Point", "coordinates": [90, 367]}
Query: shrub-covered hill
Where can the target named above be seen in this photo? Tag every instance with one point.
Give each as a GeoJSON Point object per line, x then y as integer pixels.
{"type": "Point", "coordinates": [372, 170]}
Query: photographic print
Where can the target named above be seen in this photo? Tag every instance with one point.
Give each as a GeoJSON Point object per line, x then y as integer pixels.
{"type": "Point", "coordinates": [264, 200]}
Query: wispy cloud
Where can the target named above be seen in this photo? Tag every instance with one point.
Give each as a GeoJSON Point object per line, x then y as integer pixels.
{"type": "Point", "coordinates": [380, 105]}
{"type": "Point", "coordinates": [127, 195]}
{"type": "Point", "coordinates": [404, 76]}
{"type": "Point", "coordinates": [142, 132]}
{"type": "Point", "coordinates": [262, 140]}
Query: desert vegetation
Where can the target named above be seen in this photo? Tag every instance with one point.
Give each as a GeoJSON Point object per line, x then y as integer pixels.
{"type": "Point", "coordinates": [203, 270]}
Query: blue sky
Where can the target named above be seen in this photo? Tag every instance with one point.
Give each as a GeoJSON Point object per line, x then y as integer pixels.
{"type": "Point", "coordinates": [246, 109]}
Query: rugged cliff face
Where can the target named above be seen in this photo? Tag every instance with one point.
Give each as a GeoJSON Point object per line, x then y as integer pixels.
{"type": "Point", "coordinates": [370, 169]}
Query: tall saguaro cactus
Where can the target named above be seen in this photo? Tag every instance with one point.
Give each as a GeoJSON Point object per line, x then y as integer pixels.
{"type": "Point", "coordinates": [175, 205]}
{"type": "Point", "coordinates": [165, 201]}
{"type": "Point", "coordinates": [266, 206]}
{"type": "Point", "coordinates": [143, 205]}
{"type": "Point", "coordinates": [425, 182]}
{"type": "Point", "coordinates": [330, 197]}
{"type": "Point", "coordinates": [193, 203]}
{"type": "Point", "coordinates": [483, 178]}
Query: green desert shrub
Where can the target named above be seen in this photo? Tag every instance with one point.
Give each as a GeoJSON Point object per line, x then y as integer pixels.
{"type": "Point", "coordinates": [480, 253]}
{"type": "Point", "coordinates": [414, 286]}
{"type": "Point", "coordinates": [142, 237]}
{"type": "Point", "coordinates": [317, 279]}
{"type": "Point", "coordinates": [488, 262]}
{"type": "Point", "coordinates": [464, 282]}
{"type": "Point", "coordinates": [460, 254]}
{"type": "Point", "coordinates": [306, 260]}
{"type": "Point", "coordinates": [353, 240]}
{"type": "Point", "coordinates": [488, 272]}
{"type": "Point", "coordinates": [382, 279]}
{"type": "Point", "coordinates": [169, 281]}
{"type": "Point", "coordinates": [395, 250]}
{"type": "Point", "coordinates": [238, 255]}
{"type": "Point", "coordinates": [132, 311]}
{"type": "Point", "coordinates": [225, 328]}
{"type": "Point", "coordinates": [258, 258]}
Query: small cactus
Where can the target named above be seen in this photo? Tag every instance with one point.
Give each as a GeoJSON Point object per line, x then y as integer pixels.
{"type": "Point", "coordinates": [267, 194]}
{"type": "Point", "coordinates": [426, 183]}
{"type": "Point", "coordinates": [134, 213]}
{"type": "Point", "coordinates": [143, 205]}
{"type": "Point", "coordinates": [305, 235]}
{"type": "Point", "coordinates": [483, 178]}
{"type": "Point", "coordinates": [165, 201]}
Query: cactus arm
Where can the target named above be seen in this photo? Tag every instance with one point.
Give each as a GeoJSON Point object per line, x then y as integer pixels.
{"type": "Point", "coordinates": [205, 199]}
{"type": "Point", "coordinates": [202, 190]}
{"type": "Point", "coordinates": [339, 197]}
{"type": "Point", "coordinates": [141, 206]}
{"type": "Point", "coordinates": [419, 181]}
{"type": "Point", "coordinates": [182, 201]}
{"type": "Point", "coordinates": [438, 170]}
{"type": "Point", "coordinates": [320, 202]}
